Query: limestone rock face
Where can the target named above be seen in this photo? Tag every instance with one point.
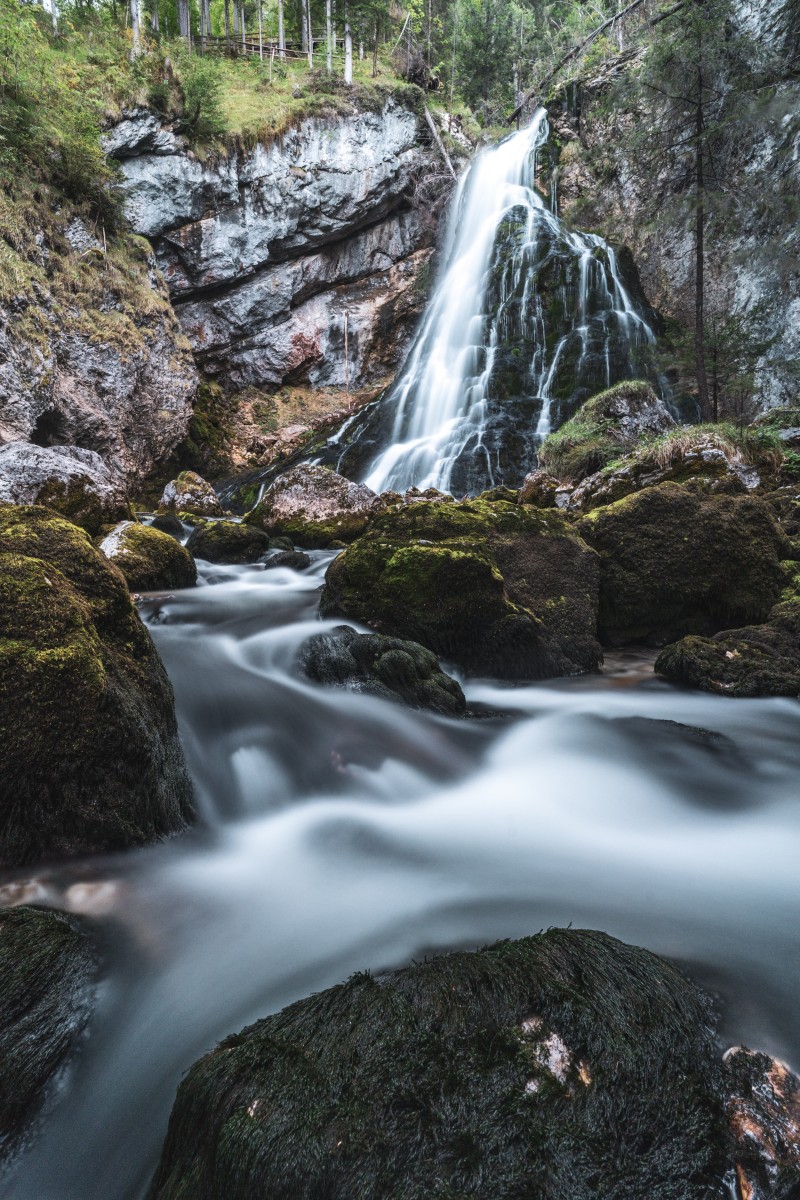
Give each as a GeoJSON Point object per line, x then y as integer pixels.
{"type": "Point", "coordinates": [149, 559]}
{"type": "Point", "coordinates": [558, 1066]}
{"type": "Point", "coordinates": [500, 589]}
{"type": "Point", "coordinates": [274, 255]}
{"type": "Point", "coordinates": [90, 749]}
{"type": "Point", "coordinates": [71, 481]}
{"type": "Point", "coordinates": [392, 668]}
{"type": "Point", "coordinates": [47, 975]}
{"type": "Point", "coordinates": [315, 507]}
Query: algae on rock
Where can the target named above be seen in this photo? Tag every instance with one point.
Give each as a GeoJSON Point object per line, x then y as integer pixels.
{"type": "Point", "coordinates": [90, 751]}
{"type": "Point", "coordinates": [497, 588]}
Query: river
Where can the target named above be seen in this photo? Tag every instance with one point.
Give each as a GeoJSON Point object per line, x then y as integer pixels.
{"type": "Point", "coordinates": [340, 832]}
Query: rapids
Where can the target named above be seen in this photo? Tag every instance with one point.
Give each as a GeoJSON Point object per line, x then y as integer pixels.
{"type": "Point", "coordinates": [528, 318]}
{"type": "Point", "coordinates": [340, 832]}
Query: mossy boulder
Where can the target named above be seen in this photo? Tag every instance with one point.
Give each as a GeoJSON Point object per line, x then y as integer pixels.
{"type": "Point", "coordinates": [47, 974]}
{"type": "Point", "coordinates": [566, 1066]}
{"type": "Point", "coordinates": [150, 560]}
{"type": "Point", "coordinates": [295, 560]}
{"type": "Point", "coordinates": [497, 588]}
{"type": "Point", "coordinates": [190, 493]}
{"type": "Point", "coordinates": [675, 562]}
{"type": "Point", "coordinates": [603, 428]}
{"type": "Point", "coordinates": [758, 660]}
{"type": "Point", "coordinates": [315, 507]}
{"type": "Point", "coordinates": [227, 542]}
{"type": "Point", "coordinates": [89, 747]}
{"type": "Point", "coordinates": [68, 479]}
{"type": "Point", "coordinates": [168, 522]}
{"type": "Point", "coordinates": [376, 665]}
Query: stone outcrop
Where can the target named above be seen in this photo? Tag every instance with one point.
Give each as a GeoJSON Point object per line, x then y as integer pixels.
{"type": "Point", "coordinates": [74, 482]}
{"type": "Point", "coordinates": [500, 589]}
{"type": "Point", "coordinates": [315, 507]}
{"type": "Point", "coordinates": [91, 756]}
{"type": "Point", "coordinates": [275, 255]}
{"type": "Point", "coordinates": [556, 1066]}
{"type": "Point", "coordinates": [149, 559]}
{"type": "Point", "coordinates": [190, 493]}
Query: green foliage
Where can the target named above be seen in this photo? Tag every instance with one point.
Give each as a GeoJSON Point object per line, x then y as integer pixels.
{"type": "Point", "coordinates": [203, 118]}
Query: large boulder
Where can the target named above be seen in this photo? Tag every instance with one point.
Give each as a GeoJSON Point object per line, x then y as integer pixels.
{"type": "Point", "coordinates": [227, 542]}
{"type": "Point", "coordinates": [47, 975]}
{"type": "Point", "coordinates": [704, 459]}
{"type": "Point", "coordinates": [150, 560]}
{"type": "Point", "coordinates": [497, 588]}
{"type": "Point", "coordinates": [72, 481]}
{"type": "Point", "coordinates": [315, 507]}
{"type": "Point", "coordinates": [89, 746]}
{"type": "Point", "coordinates": [603, 428]}
{"type": "Point", "coordinates": [559, 1066]}
{"type": "Point", "coordinates": [758, 660]}
{"type": "Point", "coordinates": [675, 562]}
{"type": "Point", "coordinates": [190, 493]}
{"type": "Point", "coordinates": [376, 665]}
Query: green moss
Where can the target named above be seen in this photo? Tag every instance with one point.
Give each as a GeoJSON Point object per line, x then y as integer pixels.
{"type": "Point", "coordinates": [47, 969]}
{"type": "Point", "coordinates": [593, 437]}
{"type": "Point", "coordinates": [426, 1082]}
{"type": "Point", "coordinates": [227, 542]}
{"type": "Point", "coordinates": [673, 561]}
{"type": "Point", "coordinates": [150, 560]}
{"type": "Point", "coordinates": [91, 758]}
{"type": "Point", "coordinates": [477, 582]}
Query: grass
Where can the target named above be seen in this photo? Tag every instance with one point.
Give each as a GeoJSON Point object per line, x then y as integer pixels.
{"type": "Point", "coordinates": [750, 446]}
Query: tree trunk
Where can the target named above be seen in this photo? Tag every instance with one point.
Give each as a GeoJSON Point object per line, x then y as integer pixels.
{"type": "Point", "coordinates": [348, 48]}
{"type": "Point", "coordinates": [309, 35]}
{"type": "Point", "coordinates": [228, 23]}
{"type": "Point", "coordinates": [183, 19]}
{"type": "Point", "coordinates": [333, 39]}
{"type": "Point", "coordinates": [154, 19]}
{"type": "Point", "coordinates": [328, 38]}
{"type": "Point", "coordinates": [281, 31]}
{"type": "Point", "coordinates": [375, 50]}
{"type": "Point", "coordinates": [699, 258]}
{"type": "Point", "coordinates": [242, 25]}
{"type": "Point", "coordinates": [136, 26]}
{"type": "Point", "coordinates": [260, 33]}
{"type": "Point", "coordinates": [235, 20]}
{"type": "Point", "coordinates": [303, 28]}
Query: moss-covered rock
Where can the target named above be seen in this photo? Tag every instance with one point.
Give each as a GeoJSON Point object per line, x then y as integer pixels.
{"type": "Point", "coordinates": [168, 522]}
{"type": "Point", "coordinates": [675, 562]}
{"type": "Point", "coordinates": [566, 1066]}
{"type": "Point", "coordinates": [68, 479]}
{"type": "Point", "coordinates": [150, 560]}
{"type": "Point", "coordinates": [497, 588]}
{"type": "Point", "coordinates": [47, 970]}
{"type": "Point", "coordinates": [758, 660]}
{"type": "Point", "coordinates": [603, 428]}
{"type": "Point", "coordinates": [315, 507]}
{"type": "Point", "coordinates": [190, 493]}
{"type": "Point", "coordinates": [227, 542]}
{"type": "Point", "coordinates": [295, 560]}
{"type": "Point", "coordinates": [392, 668]}
{"type": "Point", "coordinates": [88, 740]}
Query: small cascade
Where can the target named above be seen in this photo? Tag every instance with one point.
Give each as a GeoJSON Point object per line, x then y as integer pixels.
{"type": "Point", "coordinates": [529, 319]}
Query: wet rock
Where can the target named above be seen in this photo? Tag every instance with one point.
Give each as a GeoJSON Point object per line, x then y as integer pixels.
{"type": "Point", "coordinates": [71, 481]}
{"type": "Point", "coordinates": [763, 1110]}
{"type": "Point", "coordinates": [281, 543]}
{"type": "Point", "coordinates": [168, 523]}
{"type": "Point", "coordinates": [391, 668]}
{"type": "Point", "coordinates": [315, 507]}
{"type": "Point", "coordinates": [757, 660]}
{"type": "Point", "coordinates": [90, 752]}
{"type": "Point", "coordinates": [675, 562]}
{"type": "Point", "coordinates": [559, 1066]}
{"type": "Point", "coordinates": [227, 542]}
{"type": "Point", "coordinates": [603, 428]}
{"type": "Point", "coordinates": [704, 461]}
{"type": "Point", "coordinates": [295, 560]}
{"type": "Point", "coordinates": [499, 589]}
{"type": "Point", "coordinates": [190, 493]}
{"type": "Point", "coordinates": [150, 560]}
{"type": "Point", "coordinates": [47, 974]}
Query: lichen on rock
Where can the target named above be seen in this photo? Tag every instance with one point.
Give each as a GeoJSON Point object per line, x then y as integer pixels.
{"type": "Point", "coordinates": [499, 589]}
{"type": "Point", "coordinates": [150, 560]}
{"type": "Point", "coordinates": [91, 756]}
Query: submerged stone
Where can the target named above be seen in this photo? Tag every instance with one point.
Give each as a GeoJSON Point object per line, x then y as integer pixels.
{"type": "Point", "coordinates": [89, 746]}
{"type": "Point", "coordinates": [392, 668]}
{"type": "Point", "coordinates": [315, 507]}
{"type": "Point", "coordinates": [227, 542]}
{"type": "Point", "coordinates": [675, 562]}
{"type": "Point", "coordinates": [47, 973]}
{"type": "Point", "coordinates": [150, 560]}
{"type": "Point", "coordinates": [558, 1066]}
{"type": "Point", "coordinates": [496, 588]}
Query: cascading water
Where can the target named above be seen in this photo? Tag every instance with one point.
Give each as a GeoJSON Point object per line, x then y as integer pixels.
{"type": "Point", "coordinates": [529, 319]}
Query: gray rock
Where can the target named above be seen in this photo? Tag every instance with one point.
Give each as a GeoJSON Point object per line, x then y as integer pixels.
{"type": "Point", "coordinates": [190, 493]}
{"type": "Point", "coordinates": [315, 507]}
{"type": "Point", "coordinates": [72, 481]}
{"type": "Point", "coordinates": [295, 560]}
{"type": "Point", "coordinates": [139, 132]}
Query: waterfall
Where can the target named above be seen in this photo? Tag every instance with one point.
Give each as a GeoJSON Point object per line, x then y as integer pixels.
{"type": "Point", "coordinates": [528, 319]}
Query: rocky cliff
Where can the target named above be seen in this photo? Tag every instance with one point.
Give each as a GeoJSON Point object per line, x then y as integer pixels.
{"type": "Point", "coordinates": [297, 261]}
